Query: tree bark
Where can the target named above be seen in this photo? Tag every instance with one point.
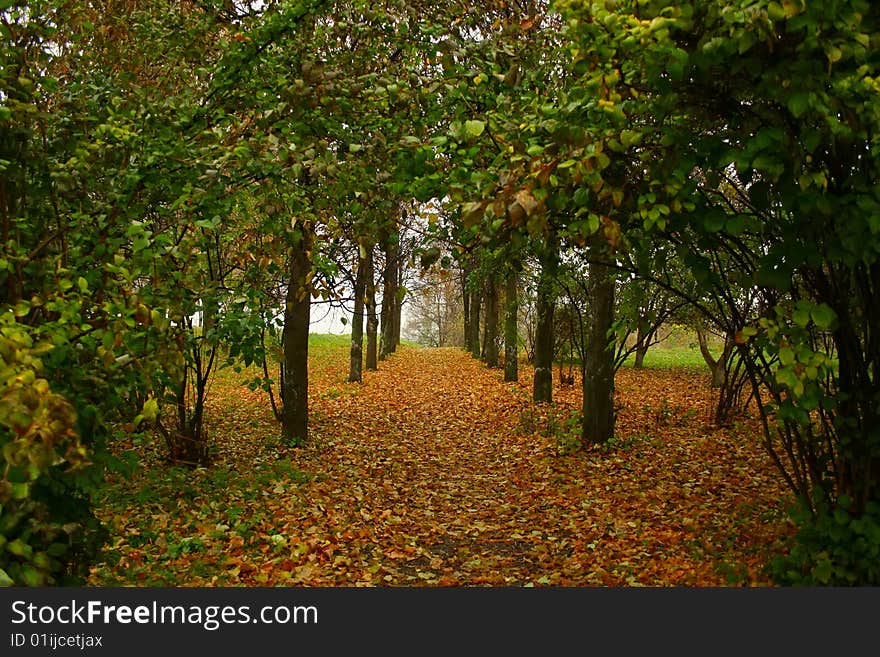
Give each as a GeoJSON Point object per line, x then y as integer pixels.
{"type": "Point", "coordinates": [490, 332]}
{"type": "Point", "coordinates": [355, 369]}
{"type": "Point", "coordinates": [598, 368]}
{"type": "Point", "coordinates": [371, 361]}
{"type": "Point", "coordinates": [389, 299]}
{"type": "Point", "coordinates": [511, 299]}
{"type": "Point", "coordinates": [642, 342]}
{"type": "Point", "coordinates": [511, 327]}
{"type": "Point", "coordinates": [398, 305]}
{"type": "Point", "coordinates": [295, 341]}
{"type": "Point", "coordinates": [717, 367]}
{"type": "Point", "coordinates": [466, 304]}
{"type": "Point", "coordinates": [474, 341]}
{"type": "Point", "coordinates": [545, 304]}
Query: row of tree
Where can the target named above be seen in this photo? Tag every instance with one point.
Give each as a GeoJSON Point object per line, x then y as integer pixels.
{"type": "Point", "coordinates": [237, 161]}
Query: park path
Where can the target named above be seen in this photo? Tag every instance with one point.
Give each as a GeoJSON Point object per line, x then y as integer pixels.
{"type": "Point", "coordinates": [428, 458]}
{"type": "Point", "coordinates": [434, 471]}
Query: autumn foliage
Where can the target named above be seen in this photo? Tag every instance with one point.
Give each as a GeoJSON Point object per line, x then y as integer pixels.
{"type": "Point", "coordinates": [434, 472]}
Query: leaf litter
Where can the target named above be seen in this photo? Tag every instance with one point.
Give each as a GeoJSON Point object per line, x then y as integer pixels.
{"type": "Point", "coordinates": [435, 472]}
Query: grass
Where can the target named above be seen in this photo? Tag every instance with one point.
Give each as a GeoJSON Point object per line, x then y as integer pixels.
{"type": "Point", "coordinates": [665, 357]}
{"type": "Point", "coordinates": [678, 348]}
{"type": "Point", "coordinates": [328, 339]}
{"type": "Point", "coordinates": [321, 344]}
{"type": "Point", "coordinates": [677, 356]}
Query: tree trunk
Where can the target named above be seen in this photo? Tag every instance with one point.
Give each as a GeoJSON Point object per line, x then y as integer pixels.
{"type": "Point", "coordinates": [439, 314]}
{"type": "Point", "coordinates": [372, 319]}
{"type": "Point", "coordinates": [398, 305]}
{"type": "Point", "coordinates": [542, 386]}
{"type": "Point", "coordinates": [490, 332]}
{"type": "Point", "coordinates": [476, 302]}
{"type": "Point", "coordinates": [717, 367]}
{"type": "Point", "coordinates": [598, 368]}
{"type": "Point", "coordinates": [511, 299]}
{"type": "Point", "coordinates": [389, 299]}
{"type": "Point", "coordinates": [295, 340]}
{"type": "Point", "coordinates": [642, 342]}
{"type": "Point", "coordinates": [466, 304]}
{"type": "Point", "coordinates": [355, 369]}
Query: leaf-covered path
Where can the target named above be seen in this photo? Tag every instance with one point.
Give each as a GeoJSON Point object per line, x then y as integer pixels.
{"type": "Point", "coordinates": [434, 471]}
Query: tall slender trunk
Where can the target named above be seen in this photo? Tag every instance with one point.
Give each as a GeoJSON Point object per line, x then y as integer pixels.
{"type": "Point", "coordinates": [490, 333]}
{"type": "Point", "coordinates": [439, 314]}
{"type": "Point", "coordinates": [372, 318]}
{"type": "Point", "coordinates": [545, 304]}
{"type": "Point", "coordinates": [398, 304]}
{"type": "Point", "coordinates": [598, 367]}
{"type": "Point", "coordinates": [466, 306]}
{"type": "Point", "coordinates": [476, 302]}
{"type": "Point", "coordinates": [356, 364]}
{"type": "Point", "coordinates": [295, 341]}
{"type": "Point", "coordinates": [511, 301]}
{"type": "Point", "coordinates": [389, 299]}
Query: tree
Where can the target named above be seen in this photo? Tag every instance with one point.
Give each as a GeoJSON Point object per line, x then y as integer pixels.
{"type": "Point", "coordinates": [511, 324]}
{"type": "Point", "coordinates": [754, 121]}
{"type": "Point", "coordinates": [357, 318]}
{"type": "Point", "coordinates": [542, 386]}
{"type": "Point", "coordinates": [490, 330]}
{"type": "Point", "coordinates": [99, 192]}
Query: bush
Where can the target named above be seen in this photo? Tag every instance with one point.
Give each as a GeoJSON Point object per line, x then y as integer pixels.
{"type": "Point", "coordinates": [833, 547]}
{"type": "Point", "coordinates": [48, 533]}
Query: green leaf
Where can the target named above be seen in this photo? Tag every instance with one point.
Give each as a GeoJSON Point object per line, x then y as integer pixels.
{"type": "Point", "coordinates": [823, 316]}
{"type": "Point", "coordinates": [57, 549]}
{"type": "Point", "coordinates": [823, 572]}
{"type": "Point", "coordinates": [22, 308]}
{"type": "Point", "coordinates": [714, 221]}
{"type": "Point", "coordinates": [786, 356]}
{"type": "Point", "coordinates": [32, 577]}
{"type": "Point", "coordinates": [799, 103]}
{"type": "Point", "coordinates": [833, 53]}
{"type": "Point", "coordinates": [151, 409]}
{"type": "Point", "coordinates": [5, 579]}
{"type": "Point", "coordinates": [631, 138]}
{"type": "Point", "coordinates": [801, 317]}
{"type": "Point", "coordinates": [19, 548]}
{"type": "Point", "coordinates": [20, 490]}
{"type": "Point", "coordinates": [474, 128]}
{"type": "Point", "coordinates": [776, 12]}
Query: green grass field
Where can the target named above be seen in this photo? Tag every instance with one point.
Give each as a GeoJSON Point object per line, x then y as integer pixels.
{"type": "Point", "coordinates": [672, 353]}
{"type": "Point", "coordinates": [678, 356]}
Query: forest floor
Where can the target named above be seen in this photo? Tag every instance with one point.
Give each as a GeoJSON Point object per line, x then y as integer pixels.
{"type": "Point", "coordinates": [434, 472]}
